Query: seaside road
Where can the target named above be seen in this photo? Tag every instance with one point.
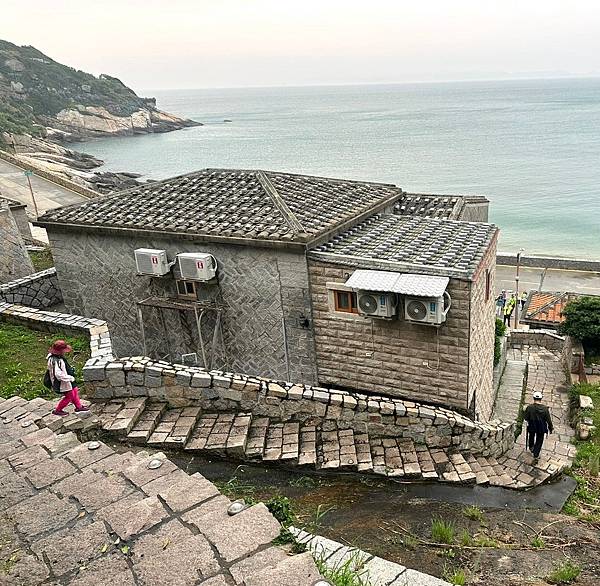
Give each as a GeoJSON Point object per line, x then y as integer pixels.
{"type": "Point", "coordinates": [48, 195]}
{"type": "Point", "coordinates": [538, 279]}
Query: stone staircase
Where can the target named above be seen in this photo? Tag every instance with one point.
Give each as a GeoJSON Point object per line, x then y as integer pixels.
{"type": "Point", "coordinates": [320, 445]}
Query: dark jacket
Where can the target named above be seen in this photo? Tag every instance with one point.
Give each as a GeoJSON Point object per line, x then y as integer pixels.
{"type": "Point", "coordinates": [538, 418]}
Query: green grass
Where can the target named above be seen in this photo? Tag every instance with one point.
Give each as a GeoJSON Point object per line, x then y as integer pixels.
{"type": "Point", "coordinates": [584, 503]}
{"type": "Point", "coordinates": [538, 542]}
{"type": "Point", "coordinates": [473, 512]}
{"type": "Point", "coordinates": [442, 531]}
{"type": "Point", "coordinates": [345, 574]}
{"type": "Point", "coordinates": [564, 573]}
{"type": "Point", "coordinates": [456, 576]}
{"type": "Point", "coordinates": [23, 360]}
{"type": "Point", "coordinates": [41, 259]}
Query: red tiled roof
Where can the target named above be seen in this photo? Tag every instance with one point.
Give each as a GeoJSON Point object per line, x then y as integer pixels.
{"type": "Point", "coordinates": [547, 308]}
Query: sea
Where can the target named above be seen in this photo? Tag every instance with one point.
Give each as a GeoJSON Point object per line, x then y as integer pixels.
{"type": "Point", "coordinates": [531, 146]}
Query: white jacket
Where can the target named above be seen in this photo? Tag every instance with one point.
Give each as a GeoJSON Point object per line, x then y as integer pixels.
{"type": "Point", "coordinates": [58, 370]}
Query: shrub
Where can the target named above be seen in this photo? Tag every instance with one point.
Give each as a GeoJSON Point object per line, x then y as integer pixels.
{"type": "Point", "coordinates": [582, 320]}
{"type": "Point", "coordinates": [500, 330]}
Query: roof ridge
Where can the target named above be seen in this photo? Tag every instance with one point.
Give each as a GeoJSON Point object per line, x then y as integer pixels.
{"type": "Point", "coordinates": [283, 208]}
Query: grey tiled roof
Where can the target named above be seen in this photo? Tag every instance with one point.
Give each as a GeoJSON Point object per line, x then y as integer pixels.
{"type": "Point", "coordinates": [425, 245]}
{"type": "Point", "coordinates": [434, 206]}
{"type": "Point", "coordinates": [13, 203]}
{"type": "Point", "coordinates": [242, 204]}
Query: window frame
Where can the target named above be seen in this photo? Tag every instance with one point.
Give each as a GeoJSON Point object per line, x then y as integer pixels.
{"type": "Point", "coordinates": [351, 306]}
{"type": "Point", "coordinates": [188, 294]}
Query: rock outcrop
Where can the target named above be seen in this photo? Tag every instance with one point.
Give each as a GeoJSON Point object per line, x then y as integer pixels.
{"type": "Point", "coordinates": [41, 97]}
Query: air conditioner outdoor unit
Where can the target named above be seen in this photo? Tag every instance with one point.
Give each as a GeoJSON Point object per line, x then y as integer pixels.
{"type": "Point", "coordinates": [375, 304]}
{"type": "Point", "coordinates": [197, 266]}
{"type": "Point", "coordinates": [150, 261]}
{"type": "Point", "coordinates": [426, 310]}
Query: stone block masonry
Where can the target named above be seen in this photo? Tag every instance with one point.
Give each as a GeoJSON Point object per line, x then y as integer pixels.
{"type": "Point", "coordinates": [263, 296]}
{"type": "Point", "coordinates": [50, 321]}
{"type": "Point", "coordinates": [217, 391]}
{"type": "Point", "coordinates": [40, 290]}
{"type": "Point", "coordinates": [14, 259]}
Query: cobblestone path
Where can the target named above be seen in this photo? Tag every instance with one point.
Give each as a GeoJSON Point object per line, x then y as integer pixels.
{"type": "Point", "coordinates": [73, 515]}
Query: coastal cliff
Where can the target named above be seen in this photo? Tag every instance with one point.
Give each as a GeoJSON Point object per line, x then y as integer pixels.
{"type": "Point", "coordinates": [41, 97]}
{"type": "Point", "coordinates": [45, 104]}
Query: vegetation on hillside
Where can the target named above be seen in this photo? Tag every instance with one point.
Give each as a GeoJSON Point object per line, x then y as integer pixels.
{"type": "Point", "coordinates": [34, 87]}
{"type": "Point", "coordinates": [23, 360]}
{"type": "Point", "coordinates": [585, 501]}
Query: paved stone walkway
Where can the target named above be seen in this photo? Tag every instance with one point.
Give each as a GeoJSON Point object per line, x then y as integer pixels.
{"type": "Point", "coordinates": [72, 515]}
{"type": "Point", "coordinates": [546, 373]}
{"type": "Point", "coordinates": [510, 391]}
{"type": "Point", "coordinates": [324, 445]}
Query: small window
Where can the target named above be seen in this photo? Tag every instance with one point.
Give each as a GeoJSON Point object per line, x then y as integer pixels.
{"type": "Point", "coordinates": [186, 289]}
{"type": "Point", "coordinates": [488, 284]}
{"type": "Point", "coordinates": [345, 301]}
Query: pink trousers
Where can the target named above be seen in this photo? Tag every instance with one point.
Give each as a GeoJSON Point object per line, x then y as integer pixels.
{"type": "Point", "coordinates": [71, 396]}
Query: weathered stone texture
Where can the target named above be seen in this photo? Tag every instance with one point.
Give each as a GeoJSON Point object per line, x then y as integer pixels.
{"type": "Point", "coordinates": [40, 290]}
{"type": "Point", "coordinates": [14, 260]}
{"type": "Point", "coordinates": [392, 357]}
{"type": "Point", "coordinates": [481, 337]}
{"type": "Point", "coordinates": [264, 295]}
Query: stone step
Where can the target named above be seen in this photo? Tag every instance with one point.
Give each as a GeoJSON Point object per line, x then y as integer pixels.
{"type": "Point", "coordinates": [308, 445]}
{"type": "Point", "coordinates": [147, 422]}
{"type": "Point", "coordinates": [426, 462]}
{"type": "Point", "coordinates": [480, 475]}
{"type": "Point", "coordinates": [255, 445]}
{"type": "Point", "coordinates": [363, 452]}
{"type": "Point", "coordinates": [462, 468]}
{"type": "Point", "coordinates": [395, 457]}
{"type": "Point", "coordinates": [120, 415]}
{"type": "Point", "coordinates": [175, 427]}
{"type": "Point", "coordinates": [336, 448]}
{"type": "Point", "coordinates": [220, 433]}
{"type": "Point", "coordinates": [273, 442]}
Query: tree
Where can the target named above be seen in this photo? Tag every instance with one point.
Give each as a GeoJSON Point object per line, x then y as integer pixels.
{"type": "Point", "coordinates": [582, 320]}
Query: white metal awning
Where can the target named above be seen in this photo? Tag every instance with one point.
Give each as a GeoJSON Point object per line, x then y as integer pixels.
{"type": "Point", "coordinates": [402, 283]}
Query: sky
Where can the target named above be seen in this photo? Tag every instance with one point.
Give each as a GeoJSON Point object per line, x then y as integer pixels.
{"type": "Point", "coordinates": [181, 44]}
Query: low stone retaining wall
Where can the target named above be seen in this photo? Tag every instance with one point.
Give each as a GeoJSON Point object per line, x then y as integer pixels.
{"type": "Point", "coordinates": [50, 321]}
{"type": "Point", "coordinates": [549, 262]}
{"type": "Point", "coordinates": [40, 290]}
{"type": "Point", "coordinates": [545, 338]}
{"type": "Point", "coordinates": [72, 185]}
{"type": "Point", "coordinates": [213, 391]}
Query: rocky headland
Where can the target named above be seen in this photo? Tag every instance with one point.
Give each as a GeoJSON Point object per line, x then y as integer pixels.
{"type": "Point", "coordinates": [45, 105]}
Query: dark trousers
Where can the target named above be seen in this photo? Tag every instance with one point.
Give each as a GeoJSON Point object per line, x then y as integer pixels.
{"type": "Point", "coordinates": [507, 317]}
{"type": "Point", "coordinates": [535, 440]}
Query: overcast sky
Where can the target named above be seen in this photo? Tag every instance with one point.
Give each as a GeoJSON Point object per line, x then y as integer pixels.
{"type": "Point", "coordinates": [162, 44]}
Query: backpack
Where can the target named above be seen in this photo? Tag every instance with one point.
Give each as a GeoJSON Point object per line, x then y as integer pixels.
{"type": "Point", "coordinates": [48, 379]}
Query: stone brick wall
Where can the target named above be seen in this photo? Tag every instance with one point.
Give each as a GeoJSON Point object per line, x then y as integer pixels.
{"type": "Point", "coordinates": [263, 296]}
{"type": "Point", "coordinates": [50, 321]}
{"type": "Point", "coordinates": [481, 337]}
{"type": "Point", "coordinates": [394, 357]}
{"type": "Point", "coordinates": [546, 338]}
{"type": "Point", "coordinates": [14, 259]}
{"type": "Point", "coordinates": [39, 290]}
{"type": "Point", "coordinates": [218, 391]}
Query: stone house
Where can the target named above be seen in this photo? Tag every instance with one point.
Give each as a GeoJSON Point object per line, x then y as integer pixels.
{"type": "Point", "coordinates": [282, 303]}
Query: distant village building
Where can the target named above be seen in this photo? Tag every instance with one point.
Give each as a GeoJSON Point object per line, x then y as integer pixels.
{"type": "Point", "coordinates": [544, 310]}
{"type": "Point", "coordinates": [325, 281]}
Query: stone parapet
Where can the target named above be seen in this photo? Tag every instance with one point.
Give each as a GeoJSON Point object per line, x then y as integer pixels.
{"type": "Point", "coordinates": [50, 321]}
{"type": "Point", "coordinates": [544, 338]}
{"type": "Point", "coordinates": [376, 415]}
{"type": "Point", "coordinates": [40, 290]}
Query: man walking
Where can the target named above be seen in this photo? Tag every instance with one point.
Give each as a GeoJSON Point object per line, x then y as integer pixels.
{"type": "Point", "coordinates": [539, 423]}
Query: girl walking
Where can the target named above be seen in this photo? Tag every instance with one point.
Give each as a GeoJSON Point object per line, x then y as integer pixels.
{"type": "Point", "coordinates": [62, 375]}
